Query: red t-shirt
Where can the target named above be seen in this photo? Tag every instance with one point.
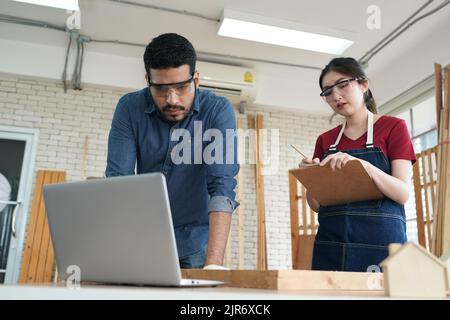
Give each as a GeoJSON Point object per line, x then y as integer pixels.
{"type": "Point", "coordinates": [389, 133]}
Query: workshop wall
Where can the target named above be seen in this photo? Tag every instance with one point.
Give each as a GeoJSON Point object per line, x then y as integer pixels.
{"type": "Point", "coordinates": [65, 119]}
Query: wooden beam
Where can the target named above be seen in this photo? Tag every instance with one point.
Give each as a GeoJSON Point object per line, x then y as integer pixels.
{"type": "Point", "coordinates": [260, 200]}
{"type": "Point", "coordinates": [38, 257]}
{"type": "Point", "coordinates": [446, 176]}
{"type": "Point", "coordinates": [293, 279]}
{"type": "Point", "coordinates": [438, 92]}
{"type": "Point", "coordinates": [304, 211]}
{"type": "Point", "coordinates": [241, 215]}
{"type": "Point", "coordinates": [425, 189]}
{"type": "Point", "coordinates": [419, 206]}
{"type": "Point", "coordinates": [293, 203]}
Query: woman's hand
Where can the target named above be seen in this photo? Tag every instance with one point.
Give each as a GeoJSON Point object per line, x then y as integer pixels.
{"type": "Point", "coordinates": [339, 160]}
{"type": "Point", "coordinates": [308, 162]}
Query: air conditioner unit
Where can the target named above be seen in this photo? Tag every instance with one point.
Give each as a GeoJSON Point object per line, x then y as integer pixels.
{"type": "Point", "coordinates": [235, 83]}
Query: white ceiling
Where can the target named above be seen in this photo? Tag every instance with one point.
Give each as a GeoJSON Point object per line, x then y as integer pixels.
{"type": "Point", "coordinates": [103, 19]}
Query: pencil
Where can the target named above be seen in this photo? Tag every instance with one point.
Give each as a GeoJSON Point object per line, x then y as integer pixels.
{"type": "Point", "coordinates": [296, 149]}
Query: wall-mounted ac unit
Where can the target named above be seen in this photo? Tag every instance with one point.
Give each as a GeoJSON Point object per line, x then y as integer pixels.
{"type": "Point", "coordinates": [235, 83]}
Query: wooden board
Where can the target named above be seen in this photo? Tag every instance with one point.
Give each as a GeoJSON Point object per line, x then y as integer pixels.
{"type": "Point", "coordinates": [425, 184]}
{"type": "Point", "coordinates": [327, 186]}
{"type": "Point", "coordinates": [293, 200]}
{"type": "Point", "coordinates": [305, 249]}
{"type": "Point", "coordinates": [240, 212]}
{"type": "Point", "coordinates": [291, 279]}
{"type": "Point", "coordinates": [261, 249]}
{"type": "Point", "coordinates": [38, 256]}
{"type": "Point", "coordinates": [302, 235]}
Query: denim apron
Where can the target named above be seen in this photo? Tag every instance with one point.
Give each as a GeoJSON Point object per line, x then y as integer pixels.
{"type": "Point", "coordinates": [354, 236]}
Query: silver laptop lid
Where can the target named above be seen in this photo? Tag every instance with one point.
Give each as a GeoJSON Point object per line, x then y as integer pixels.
{"type": "Point", "coordinates": [116, 230]}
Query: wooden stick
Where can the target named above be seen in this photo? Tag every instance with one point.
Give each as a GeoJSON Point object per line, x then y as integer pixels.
{"type": "Point", "coordinates": [439, 112]}
{"type": "Point", "coordinates": [260, 202]}
{"type": "Point", "coordinates": [446, 195]}
{"type": "Point", "coordinates": [425, 189]}
{"type": "Point", "coordinates": [293, 203]}
{"type": "Point", "coordinates": [438, 92]}
{"type": "Point", "coordinates": [240, 212]}
{"type": "Point", "coordinates": [432, 187]}
{"type": "Point", "coordinates": [304, 211]}
{"type": "Point", "coordinates": [419, 206]}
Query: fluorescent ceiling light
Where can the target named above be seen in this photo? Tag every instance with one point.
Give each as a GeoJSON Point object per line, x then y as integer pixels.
{"type": "Point", "coordinates": [71, 5]}
{"type": "Point", "coordinates": [283, 33]}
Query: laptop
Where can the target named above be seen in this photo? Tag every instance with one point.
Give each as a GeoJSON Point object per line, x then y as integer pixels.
{"type": "Point", "coordinates": [116, 230]}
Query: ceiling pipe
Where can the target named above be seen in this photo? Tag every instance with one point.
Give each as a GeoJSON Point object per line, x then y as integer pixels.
{"type": "Point", "coordinates": [408, 25]}
{"type": "Point", "coordinates": [183, 12]}
{"type": "Point", "coordinates": [43, 24]}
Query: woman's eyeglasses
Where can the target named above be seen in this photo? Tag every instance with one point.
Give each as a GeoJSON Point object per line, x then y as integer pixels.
{"type": "Point", "coordinates": [341, 87]}
{"type": "Point", "coordinates": [180, 88]}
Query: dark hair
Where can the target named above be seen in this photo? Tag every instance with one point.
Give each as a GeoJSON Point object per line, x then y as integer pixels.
{"type": "Point", "coordinates": [352, 68]}
{"type": "Point", "coordinates": [169, 50]}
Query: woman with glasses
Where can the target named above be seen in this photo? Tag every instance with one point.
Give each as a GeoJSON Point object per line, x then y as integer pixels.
{"type": "Point", "coordinates": [355, 236]}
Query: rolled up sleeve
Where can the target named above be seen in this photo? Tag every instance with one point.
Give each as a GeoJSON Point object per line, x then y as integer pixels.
{"type": "Point", "coordinates": [222, 204]}
{"type": "Point", "coordinates": [221, 180]}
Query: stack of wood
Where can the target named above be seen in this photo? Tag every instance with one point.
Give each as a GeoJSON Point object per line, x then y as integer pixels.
{"type": "Point", "coordinates": [441, 238]}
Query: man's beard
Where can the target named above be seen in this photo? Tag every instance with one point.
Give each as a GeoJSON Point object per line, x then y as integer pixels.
{"type": "Point", "coordinates": [168, 107]}
{"type": "Point", "coordinates": [166, 110]}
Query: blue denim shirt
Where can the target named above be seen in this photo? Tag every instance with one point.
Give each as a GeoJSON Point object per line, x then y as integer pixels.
{"type": "Point", "coordinates": [141, 140]}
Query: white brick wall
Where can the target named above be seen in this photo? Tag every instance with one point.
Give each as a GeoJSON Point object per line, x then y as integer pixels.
{"type": "Point", "coordinates": [66, 119]}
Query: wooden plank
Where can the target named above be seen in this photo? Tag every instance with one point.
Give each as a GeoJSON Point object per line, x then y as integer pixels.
{"type": "Point", "coordinates": [31, 229]}
{"type": "Point", "coordinates": [304, 211]}
{"type": "Point", "coordinates": [446, 176]}
{"type": "Point", "coordinates": [438, 92]}
{"type": "Point", "coordinates": [292, 279]}
{"type": "Point", "coordinates": [427, 205]}
{"type": "Point", "coordinates": [241, 216]}
{"type": "Point", "coordinates": [260, 201]}
{"type": "Point", "coordinates": [436, 215]}
{"type": "Point", "coordinates": [429, 156]}
{"type": "Point", "coordinates": [49, 262]}
{"type": "Point", "coordinates": [419, 206]}
{"type": "Point", "coordinates": [442, 181]}
{"type": "Point", "coordinates": [440, 129]}
{"type": "Point", "coordinates": [443, 171]}
{"type": "Point", "coordinates": [37, 264]}
{"type": "Point", "coordinates": [293, 203]}
{"type": "Point", "coordinates": [305, 251]}
{"type": "Point", "coordinates": [38, 237]}
{"type": "Point", "coordinates": [35, 245]}
{"type": "Point", "coordinates": [312, 218]}
{"type": "Point", "coordinates": [43, 252]}
{"type": "Point", "coordinates": [431, 186]}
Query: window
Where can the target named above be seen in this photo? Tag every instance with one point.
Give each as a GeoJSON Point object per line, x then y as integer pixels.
{"type": "Point", "coordinates": [421, 121]}
{"type": "Point", "coordinates": [418, 110]}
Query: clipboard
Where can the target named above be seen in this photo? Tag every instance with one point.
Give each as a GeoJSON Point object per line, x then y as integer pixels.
{"type": "Point", "coordinates": [350, 184]}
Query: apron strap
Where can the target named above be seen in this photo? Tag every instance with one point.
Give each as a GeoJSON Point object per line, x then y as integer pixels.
{"type": "Point", "coordinates": [334, 146]}
{"type": "Point", "coordinates": [369, 141]}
